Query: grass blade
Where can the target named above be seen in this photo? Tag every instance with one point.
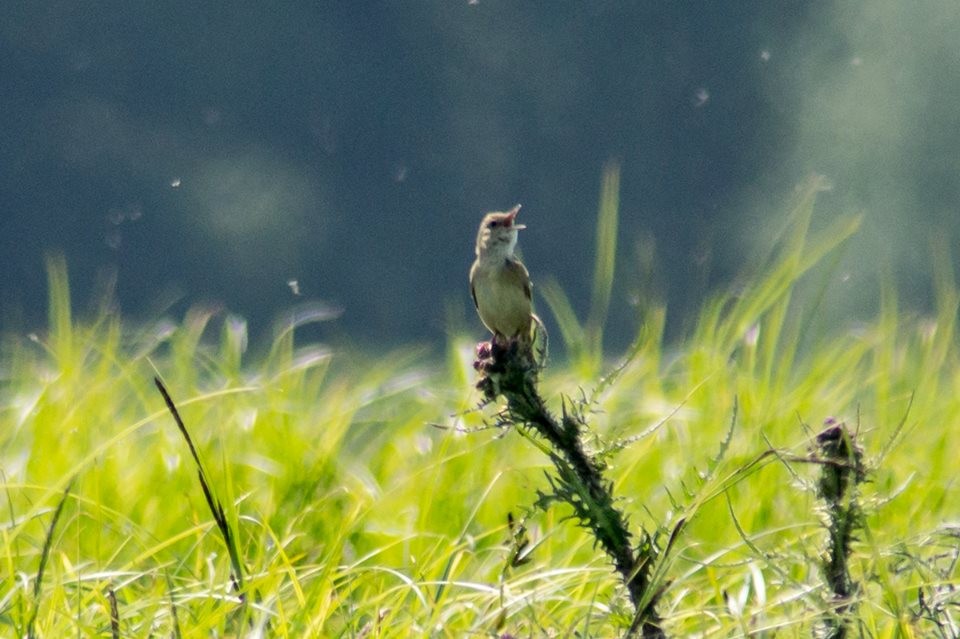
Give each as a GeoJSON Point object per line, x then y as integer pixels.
{"type": "Point", "coordinates": [216, 507]}
{"type": "Point", "coordinates": [47, 543]}
{"type": "Point", "coordinates": [114, 614]}
{"type": "Point", "coordinates": [606, 252]}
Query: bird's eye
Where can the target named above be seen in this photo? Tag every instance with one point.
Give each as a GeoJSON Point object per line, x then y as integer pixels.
{"type": "Point", "coordinates": [493, 224]}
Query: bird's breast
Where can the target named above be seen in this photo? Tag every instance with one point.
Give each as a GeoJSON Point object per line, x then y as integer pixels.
{"type": "Point", "coordinates": [501, 294]}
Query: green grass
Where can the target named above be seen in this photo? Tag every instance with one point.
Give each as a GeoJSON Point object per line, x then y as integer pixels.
{"type": "Point", "coordinates": [354, 515]}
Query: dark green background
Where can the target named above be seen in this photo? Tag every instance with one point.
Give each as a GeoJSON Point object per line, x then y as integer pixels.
{"type": "Point", "coordinates": [354, 146]}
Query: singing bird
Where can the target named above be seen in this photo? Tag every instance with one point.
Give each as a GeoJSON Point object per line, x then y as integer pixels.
{"type": "Point", "coordinates": [499, 282]}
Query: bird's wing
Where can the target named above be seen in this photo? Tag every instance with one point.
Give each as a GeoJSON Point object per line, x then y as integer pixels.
{"type": "Point", "coordinates": [473, 292]}
{"type": "Point", "coordinates": [518, 272]}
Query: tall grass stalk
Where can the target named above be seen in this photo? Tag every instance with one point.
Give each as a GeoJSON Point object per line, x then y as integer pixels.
{"type": "Point", "coordinates": [584, 342]}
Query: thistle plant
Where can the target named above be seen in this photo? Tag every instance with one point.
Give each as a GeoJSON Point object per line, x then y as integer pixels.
{"type": "Point", "coordinates": [510, 370]}
{"type": "Point", "coordinates": [841, 470]}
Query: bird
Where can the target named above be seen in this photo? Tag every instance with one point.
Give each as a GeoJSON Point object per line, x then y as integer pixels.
{"type": "Point", "coordinates": [499, 282]}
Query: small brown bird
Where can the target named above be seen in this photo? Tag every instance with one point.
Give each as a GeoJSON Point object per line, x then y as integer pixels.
{"type": "Point", "coordinates": [499, 282]}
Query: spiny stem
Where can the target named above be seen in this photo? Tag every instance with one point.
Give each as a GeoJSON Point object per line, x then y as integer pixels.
{"type": "Point", "coordinates": [842, 469]}
{"type": "Point", "coordinates": [509, 370]}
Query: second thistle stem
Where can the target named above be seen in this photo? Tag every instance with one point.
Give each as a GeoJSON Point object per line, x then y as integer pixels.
{"type": "Point", "coordinates": [841, 471]}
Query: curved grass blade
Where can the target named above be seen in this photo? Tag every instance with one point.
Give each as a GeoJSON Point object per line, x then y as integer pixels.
{"type": "Point", "coordinates": [47, 543]}
{"type": "Point", "coordinates": [216, 507]}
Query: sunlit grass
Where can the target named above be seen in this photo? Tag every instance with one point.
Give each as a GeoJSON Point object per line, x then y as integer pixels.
{"type": "Point", "coordinates": [357, 516]}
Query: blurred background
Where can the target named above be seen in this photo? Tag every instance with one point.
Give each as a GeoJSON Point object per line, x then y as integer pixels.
{"type": "Point", "coordinates": [258, 156]}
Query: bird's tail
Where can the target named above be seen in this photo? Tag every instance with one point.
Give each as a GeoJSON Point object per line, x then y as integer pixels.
{"type": "Point", "coordinates": [541, 341]}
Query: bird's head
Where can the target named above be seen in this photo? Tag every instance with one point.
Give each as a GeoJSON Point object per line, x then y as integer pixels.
{"type": "Point", "coordinates": [498, 233]}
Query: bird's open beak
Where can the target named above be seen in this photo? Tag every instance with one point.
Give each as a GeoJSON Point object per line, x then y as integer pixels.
{"type": "Point", "coordinates": [511, 216]}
